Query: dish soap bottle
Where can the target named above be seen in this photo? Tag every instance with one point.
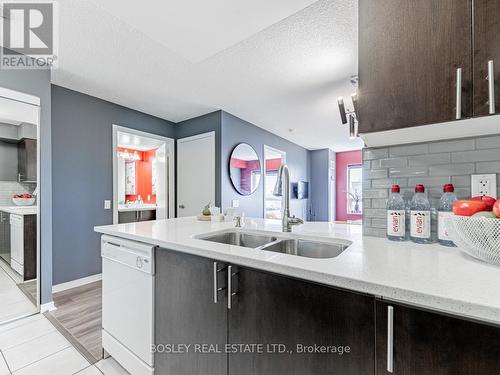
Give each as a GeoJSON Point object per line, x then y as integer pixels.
{"type": "Point", "coordinates": [420, 217]}
{"type": "Point", "coordinates": [444, 212]}
{"type": "Point", "coordinates": [396, 212]}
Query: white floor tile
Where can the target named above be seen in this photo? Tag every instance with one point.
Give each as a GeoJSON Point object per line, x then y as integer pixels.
{"type": "Point", "coordinates": [34, 350]}
{"type": "Point", "coordinates": [4, 370]}
{"type": "Point", "coordinates": [109, 366]}
{"type": "Point", "coordinates": [25, 332]}
{"type": "Point", "coordinates": [65, 362]}
{"type": "Point", "coordinates": [92, 370]}
{"type": "Point", "coordinates": [20, 322]}
{"type": "Point", "coordinates": [17, 309]}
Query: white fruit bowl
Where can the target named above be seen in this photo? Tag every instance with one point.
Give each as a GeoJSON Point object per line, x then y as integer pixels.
{"type": "Point", "coordinates": [24, 201]}
{"type": "Point", "coordinates": [477, 236]}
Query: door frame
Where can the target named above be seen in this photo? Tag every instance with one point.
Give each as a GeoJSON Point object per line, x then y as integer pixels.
{"type": "Point", "coordinates": [266, 149]}
{"type": "Point", "coordinates": [211, 135]}
{"type": "Point", "coordinates": [34, 101]}
{"type": "Point", "coordinates": [170, 173]}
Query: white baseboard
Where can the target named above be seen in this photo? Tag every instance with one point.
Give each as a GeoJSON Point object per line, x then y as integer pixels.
{"type": "Point", "coordinates": [47, 307]}
{"type": "Point", "coordinates": [77, 282]}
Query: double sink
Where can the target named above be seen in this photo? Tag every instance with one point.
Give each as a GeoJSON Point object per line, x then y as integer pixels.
{"type": "Point", "coordinates": [297, 246]}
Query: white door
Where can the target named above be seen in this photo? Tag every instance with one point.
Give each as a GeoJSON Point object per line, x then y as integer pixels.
{"type": "Point", "coordinates": [195, 173]}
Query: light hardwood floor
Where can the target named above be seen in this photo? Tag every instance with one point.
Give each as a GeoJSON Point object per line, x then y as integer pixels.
{"type": "Point", "coordinates": [79, 312]}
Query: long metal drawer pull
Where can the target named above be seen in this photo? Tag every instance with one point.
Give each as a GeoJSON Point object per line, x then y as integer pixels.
{"type": "Point", "coordinates": [217, 289]}
{"type": "Point", "coordinates": [390, 338]}
{"type": "Point", "coordinates": [230, 292]}
{"type": "Point", "coordinates": [491, 87]}
{"type": "Point", "coordinates": [458, 114]}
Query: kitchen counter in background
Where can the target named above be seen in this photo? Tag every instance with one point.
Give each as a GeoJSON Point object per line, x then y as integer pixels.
{"type": "Point", "coordinates": [20, 210]}
{"type": "Point", "coordinates": [429, 276]}
{"type": "Point", "coordinates": [141, 207]}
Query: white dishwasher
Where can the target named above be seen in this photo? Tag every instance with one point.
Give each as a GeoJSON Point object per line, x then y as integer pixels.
{"type": "Point", "coordinates": [128, 303]}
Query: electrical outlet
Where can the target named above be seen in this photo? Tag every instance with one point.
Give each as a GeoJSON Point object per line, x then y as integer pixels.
{"type": "Point", "coordinates": [484, 184]}
{"type": "Point", "coordinates": [107, 204]}
{"type": "Point", "coordinates": [235, 203]}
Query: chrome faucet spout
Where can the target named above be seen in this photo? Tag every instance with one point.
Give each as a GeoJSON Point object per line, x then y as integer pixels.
{"type": "Point", "coordinates": [282, 189]}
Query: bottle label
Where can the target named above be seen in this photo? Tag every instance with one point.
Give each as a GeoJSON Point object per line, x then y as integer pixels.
{"type": "Point", "coordinates": [420, 224]}
{"type": "Point", "coordinates": [396, 223]}
{"type": "Point", "coordinates": [443, 233]}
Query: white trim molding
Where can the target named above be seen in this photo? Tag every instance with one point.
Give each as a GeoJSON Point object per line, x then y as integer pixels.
{"type": "Point", "coordinates": [76, 283]}
{"type": "Point", "coordinates": [45, 307]}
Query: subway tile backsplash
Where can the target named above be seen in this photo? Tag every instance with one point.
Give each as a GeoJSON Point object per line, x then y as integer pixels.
{"type": "Point", "coordinates": [432, 164]}
{"type": "Point", "coordinates": [10, 188]}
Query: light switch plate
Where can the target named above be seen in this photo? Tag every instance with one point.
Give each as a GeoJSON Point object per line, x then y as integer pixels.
{"type": "Point", "coordinates": [484, 184]}
{"type": "Point", "coordinates": [235, 203]}
{"type": "Point", "coordinates": [107, 204]}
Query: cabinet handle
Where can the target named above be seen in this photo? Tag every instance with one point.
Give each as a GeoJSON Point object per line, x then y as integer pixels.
{"type": "Point", "coordinates": [491, 87]}
{"type": "Point", "coordinates": [390, 339]}
{"type": "Point", "coordinates": [216, 282]}
{"type": "Point", "coordinates": [458, 114]}
{"type": "Point", "coordinates": [230, 292]}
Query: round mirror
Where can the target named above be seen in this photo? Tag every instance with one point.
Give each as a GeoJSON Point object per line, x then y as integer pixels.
{"type": "Point", "coordinates": [244, 168]}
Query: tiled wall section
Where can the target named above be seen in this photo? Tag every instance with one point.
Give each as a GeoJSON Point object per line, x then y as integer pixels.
{"type": "Point", "coordinates": [10, 188]}
{"type": "Point", "coordinates": [432, 164]}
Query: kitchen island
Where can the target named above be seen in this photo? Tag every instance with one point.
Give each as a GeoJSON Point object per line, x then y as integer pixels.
{"type": "Point", "coordinates": [392, 302]}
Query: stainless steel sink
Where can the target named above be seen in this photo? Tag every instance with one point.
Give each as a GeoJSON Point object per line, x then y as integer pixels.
{"type": "Point", "coordinates": [240, 239]}
{"type": "Point", "coordinates": [306, 248]}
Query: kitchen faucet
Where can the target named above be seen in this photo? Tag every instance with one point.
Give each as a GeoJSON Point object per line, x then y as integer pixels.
{"type": "Point", "coordinates": [282, 189]}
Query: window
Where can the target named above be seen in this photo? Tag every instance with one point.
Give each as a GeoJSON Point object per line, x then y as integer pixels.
{"type": "Point", "coordinates": [354, 189]}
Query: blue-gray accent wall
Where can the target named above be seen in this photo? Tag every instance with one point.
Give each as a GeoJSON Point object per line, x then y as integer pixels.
{"type": "Point", "coordinates": [322, 185]}
{"type": "Point", "coordinates": [298, 159]}
{"type": "Point", "coordinates": [37, 82]}
{"type": "Point", "coordinates": [82, 175]}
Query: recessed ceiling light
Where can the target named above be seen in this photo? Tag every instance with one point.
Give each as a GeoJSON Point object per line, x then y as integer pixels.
{"type": "Point", "coordinates": [136, 141]}
{"type": "Point", "coordinates": [291, 130]}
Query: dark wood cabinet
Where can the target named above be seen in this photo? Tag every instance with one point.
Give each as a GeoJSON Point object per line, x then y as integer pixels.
{"type": "Point", "coordinates": [30, 247]}
{"type": "Point", "coordinates": [5, 236]}
{"type": "Point", "coordinates": [185, 314]}
{"type": "Point", "coordinates": [27, 160]}
{"type": "Point", "coordinates": [486, 48]}
{"type": "Point", "coordinates": [136, 216]}
{"type": "Point", "coordinates": [273, 309]}
{"type": "Point", "coordinates": [426, 343]}
{"type": "Point", "coordinates": [409, 53]}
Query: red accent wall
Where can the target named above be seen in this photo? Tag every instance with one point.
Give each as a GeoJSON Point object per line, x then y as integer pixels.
{"type": "Point", "coordinates": [143, 175]}
{"type": "Point", "coordinates": [343, 160]}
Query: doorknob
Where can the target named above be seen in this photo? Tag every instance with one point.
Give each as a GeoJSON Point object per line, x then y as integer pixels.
{"type": "Point", "coordinates": [182, 206]}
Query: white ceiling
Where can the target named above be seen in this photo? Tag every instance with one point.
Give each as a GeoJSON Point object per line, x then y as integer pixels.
{"type": "Point", "coordinates": [279, 64]}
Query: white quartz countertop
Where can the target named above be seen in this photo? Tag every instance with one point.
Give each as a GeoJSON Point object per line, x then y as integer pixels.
{"type": "Point", "coordinates": [20, 210]}
{"type": "Point", "coordinates": [139, 207]}
{"type": "Point", "coordinates": [430, 276]}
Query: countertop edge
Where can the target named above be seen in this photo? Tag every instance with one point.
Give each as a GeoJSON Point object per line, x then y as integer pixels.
{"type": "Point", "coordinates": [460, 309]}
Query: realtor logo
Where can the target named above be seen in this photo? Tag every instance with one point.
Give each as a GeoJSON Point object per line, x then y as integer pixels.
{"type": "Point", "coordinates": [28, 35]}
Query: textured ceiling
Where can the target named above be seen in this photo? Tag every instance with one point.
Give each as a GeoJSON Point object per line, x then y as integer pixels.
{"type": "Point", "coordinates": [285, 76]}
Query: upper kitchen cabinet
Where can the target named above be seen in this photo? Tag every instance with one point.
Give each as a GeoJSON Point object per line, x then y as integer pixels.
{"type": "Point", "coordinates": [27, 157]}
{"type": "Point", "coordinates": [415, 62]}
{"type": "Point", "coordinates": [486, 57]}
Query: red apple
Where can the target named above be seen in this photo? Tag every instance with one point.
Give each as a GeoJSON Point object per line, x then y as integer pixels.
{"type": "Point", "coordinates": [468, 207]}
{"type": "Point", "coordinates": [496, 208]}
{"type": "Point", "coordinates": [490, 201]}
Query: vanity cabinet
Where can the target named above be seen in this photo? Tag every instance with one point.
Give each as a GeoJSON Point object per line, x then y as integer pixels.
{"type": "Point", "coordinates": [278, 312]}
{"type": "Point", "coordinates": [426, 343]}
{"type": "Point", "coordinates": [136, 216]}
{"type": "Point", "coordinates": [27, 160]}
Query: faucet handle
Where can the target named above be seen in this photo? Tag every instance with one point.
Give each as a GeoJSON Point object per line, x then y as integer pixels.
{"type": "Point", "coordinates": [237, 220]}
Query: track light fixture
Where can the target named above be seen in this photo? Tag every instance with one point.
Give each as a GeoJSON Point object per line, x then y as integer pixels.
{"type": "Point", "coordinates": [347, 115]}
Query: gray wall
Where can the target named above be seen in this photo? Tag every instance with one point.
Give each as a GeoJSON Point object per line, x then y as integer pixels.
{"type": "Point", "coordinates": [432, 164]}
{"type": "Point", "coordinates": [83, 176]}
{"type": "Point", "coordinates": [236, 130]}
{"type": "Point", "coordinates": [322, 185]}
{"type": "Point", "coordinates": [37, 82]}
{"type": "Point", "coordinates": [204, 124]}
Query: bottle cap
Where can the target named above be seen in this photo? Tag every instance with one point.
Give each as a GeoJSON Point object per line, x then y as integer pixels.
{"type": "Point", "coordinates": [419, 188]}
{"type": "Point", "coordinates": [395, 189]}
{"type": "Point", "coordinates": [448, 188]}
